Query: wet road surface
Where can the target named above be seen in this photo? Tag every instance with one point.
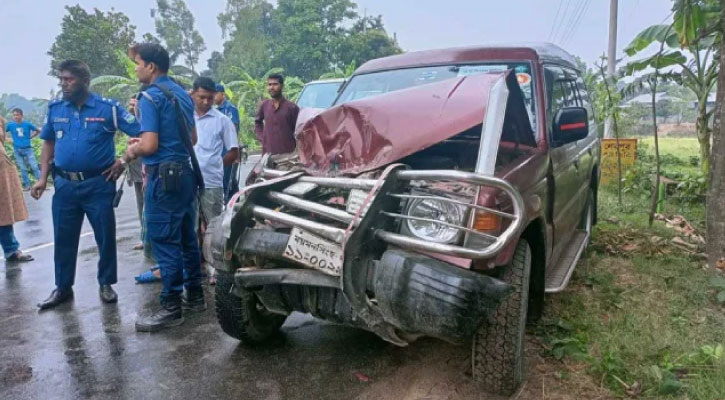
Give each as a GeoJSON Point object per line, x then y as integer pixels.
{"type": "Point", "coordinates": [85, 349]}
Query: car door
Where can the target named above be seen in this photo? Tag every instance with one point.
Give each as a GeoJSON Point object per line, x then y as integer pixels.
{"type": "Point", "coordinates": [589, 145]}
{"type": "Point", "coordinates": [565, 160]}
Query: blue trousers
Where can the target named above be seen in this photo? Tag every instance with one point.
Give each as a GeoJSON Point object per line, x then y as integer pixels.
{"type": "Point", "coordinates": [170, 229]}
{"type": "Point", "coordinates": [7, 240]}
{"type": "Point", "coordinates": [23, 157]}
{"type": "Point", "coordinates": [92, 198]}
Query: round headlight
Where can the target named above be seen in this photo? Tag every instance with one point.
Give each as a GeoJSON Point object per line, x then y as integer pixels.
{"type": "Point", "coordinates": [439, 211]}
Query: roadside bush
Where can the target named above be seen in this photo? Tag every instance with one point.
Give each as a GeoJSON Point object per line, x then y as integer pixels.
{"type": "Point", "coordinates": [638, 180]}
{"type": "Point", "coordinates": [692, 186]}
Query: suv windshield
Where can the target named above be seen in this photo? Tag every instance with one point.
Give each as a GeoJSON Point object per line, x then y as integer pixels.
{"type": "Point", "coordinates": [318, 95]}
{"type": "Point", "coordinates": [375, 83]}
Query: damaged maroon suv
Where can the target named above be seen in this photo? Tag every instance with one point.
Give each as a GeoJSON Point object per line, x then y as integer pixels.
{"type": "Point", "coordinates": [442, 195]}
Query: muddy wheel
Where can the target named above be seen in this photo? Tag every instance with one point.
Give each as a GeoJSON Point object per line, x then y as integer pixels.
{"type": "Point", "coordinates": [498, 345]}
{"type": "Point", "coordinates": [243, 318]}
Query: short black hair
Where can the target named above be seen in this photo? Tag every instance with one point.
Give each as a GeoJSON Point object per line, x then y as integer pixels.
{"type": "Point", "coordinates": [78, 68]}
{"type": "Point", "coordinates": [152, 53]}
{"type": "Point", "coordinates": [17, 110]}
{"type": "Point", "coordinates": [278, 77]}
{"type": "Point", "coordinates": [205, 83]}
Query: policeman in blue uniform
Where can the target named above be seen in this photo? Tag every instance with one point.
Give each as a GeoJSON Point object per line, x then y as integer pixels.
{"type": "Point", "coordinates": [171, 187]}
{"type": "Point", "coordinates": [79, 134]}
{"type": "Point", "coordinates": [227, 108]}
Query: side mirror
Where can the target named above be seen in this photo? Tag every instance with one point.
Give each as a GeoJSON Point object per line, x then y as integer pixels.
{"type": "Point", "coordinates": [570, 124]}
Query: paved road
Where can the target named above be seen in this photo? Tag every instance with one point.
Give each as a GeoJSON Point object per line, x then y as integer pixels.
{"type": "Point", "coordinates": [86, 349]}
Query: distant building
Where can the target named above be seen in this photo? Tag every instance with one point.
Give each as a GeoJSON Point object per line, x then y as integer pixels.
{"type": "Point", "coordinates": [710, 101]}
{"type": "Point", "coordinates": [646, 99]}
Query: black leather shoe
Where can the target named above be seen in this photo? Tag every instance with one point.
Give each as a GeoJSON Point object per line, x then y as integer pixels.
{"type": "Point", "coordinates": [167, 316]}
{"type": "Point", "coordinates": [107, 294]}
{"type": "Point", "coordinates": [193, 301]}
{"type": "Point", "coordinates": [56, 297]}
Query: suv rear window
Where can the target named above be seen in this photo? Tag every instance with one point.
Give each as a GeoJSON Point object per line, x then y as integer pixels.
{"type": "Point", "coordinates": [375, 83]}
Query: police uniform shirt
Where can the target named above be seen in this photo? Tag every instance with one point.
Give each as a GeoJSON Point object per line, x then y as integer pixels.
{"type": "Point", "coordinates": [158, 114]}
{"type": "Point", "coordinates": [230, 111]}
{"type": "Point", "coordinates": [84, 137]}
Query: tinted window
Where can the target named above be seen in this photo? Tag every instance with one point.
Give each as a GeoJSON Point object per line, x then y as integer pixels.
{"type": "Point", "coordinates": [561, 91]}
{"type": "Point", "coordinates": [584, 95]}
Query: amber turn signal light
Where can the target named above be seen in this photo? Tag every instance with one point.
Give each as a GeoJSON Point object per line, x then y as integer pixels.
{"type": "Point", "coordinates": [486, 222]}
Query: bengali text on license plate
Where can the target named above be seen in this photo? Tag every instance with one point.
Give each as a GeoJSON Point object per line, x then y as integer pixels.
{"type": "Point", "coordinates": [314, 252]}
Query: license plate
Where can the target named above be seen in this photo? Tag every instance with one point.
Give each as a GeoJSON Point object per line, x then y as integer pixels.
{"type": "Point", "coordinates": [355, 201]}
{"type": "Point", "coordinates": [314, 252]}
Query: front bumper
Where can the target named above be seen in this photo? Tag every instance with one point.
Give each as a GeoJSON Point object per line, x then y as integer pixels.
{"type": "Point", "coordinates": [413, 293]}
{"type": "Point", "coordinates": [388, 283]}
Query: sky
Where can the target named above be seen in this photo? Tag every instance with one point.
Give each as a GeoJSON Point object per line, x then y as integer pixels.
{"type": "Point", "coordinates": [29, 27]}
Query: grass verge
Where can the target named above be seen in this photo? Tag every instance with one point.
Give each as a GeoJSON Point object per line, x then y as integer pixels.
{"type": "Point", "coordinates": [640, 325]}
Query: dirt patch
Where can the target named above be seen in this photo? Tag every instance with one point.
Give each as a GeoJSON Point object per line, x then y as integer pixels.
{"type": "Point", "coordinates": [15, 373]}
{"type": "Point", "coordinates": [445, 375]}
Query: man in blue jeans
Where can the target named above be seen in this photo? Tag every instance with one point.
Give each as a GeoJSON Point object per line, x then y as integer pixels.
{"type": "Point", "coordinates": [22, 132]}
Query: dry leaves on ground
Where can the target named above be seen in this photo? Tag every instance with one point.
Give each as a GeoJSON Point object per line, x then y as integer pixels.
{"type": "Point", "coordinates": [628, 241]}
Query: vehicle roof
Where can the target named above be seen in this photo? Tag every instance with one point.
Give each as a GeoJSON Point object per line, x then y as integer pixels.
{"type": "Point", "coordinates": [333, 80]}
{"type": "Point", "coordinates": [456, 55]}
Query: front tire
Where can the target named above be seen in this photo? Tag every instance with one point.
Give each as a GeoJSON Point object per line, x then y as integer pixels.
{"type": "Point", "coordinates": [498, 345]}
{"type": "Point", "coordinates": [243, 318]}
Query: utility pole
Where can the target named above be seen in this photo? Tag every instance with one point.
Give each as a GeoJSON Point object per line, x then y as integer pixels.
{"type": "Point", "coordinates": [611, 56]}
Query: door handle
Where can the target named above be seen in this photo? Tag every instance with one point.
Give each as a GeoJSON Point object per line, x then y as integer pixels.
{"type": "Point", "coordinates": [576, 163]}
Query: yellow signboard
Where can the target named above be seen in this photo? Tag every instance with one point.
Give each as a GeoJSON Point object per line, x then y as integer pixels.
{"type": "Point", "coordinates": [627, 152]}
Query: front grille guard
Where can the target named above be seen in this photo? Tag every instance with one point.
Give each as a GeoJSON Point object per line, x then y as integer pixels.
{"type": "Point", "coordinates": [494, 243]}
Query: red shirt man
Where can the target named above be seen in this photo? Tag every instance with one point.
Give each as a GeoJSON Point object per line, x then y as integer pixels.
{"type": "Point", "coordinates": [276, 118]}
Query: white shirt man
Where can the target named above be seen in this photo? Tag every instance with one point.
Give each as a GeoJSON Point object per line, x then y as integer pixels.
{"type": "Point", "coordinates": [215, 132]}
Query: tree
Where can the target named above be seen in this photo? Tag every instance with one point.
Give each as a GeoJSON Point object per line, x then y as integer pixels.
{"type": "Point", "coordinates": [262, 36]}
{"type": "Point", "coordinates": [123, 87]}
{"type": "Point", "coordinates": [690, 33]}
{"type": "Point", "coordinates": [299, 20]}
{"type": "Point", "coordinates": [214, 63]}
{"type": "Point", "coordinates": [658, 61]}
{"type": "Point", "coordinates": [175, 26]}
{"type": "Point", "coordinates": [119, 87]}
{"type": "Point", "coordinates": [338, 72]}
{"type": "Point", "coordinates": [367, 40]}
{"type": "Point", "coordinates": [716, 186]}
{"type": "Point", "coordinates": [610, 109]}
{"type": "Point", "coordinates": [93, 38]}
{"type": "Point", "coordinates": [249, 27]}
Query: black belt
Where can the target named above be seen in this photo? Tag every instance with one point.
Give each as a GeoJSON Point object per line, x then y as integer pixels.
{"type": "Point", "coordinates": [77, 176]}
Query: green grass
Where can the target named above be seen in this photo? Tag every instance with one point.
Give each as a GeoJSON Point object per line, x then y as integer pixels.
{"type": "Point", "coordinates": [640, 319]}
{"type": "Point", "coordinates": [682, 148]}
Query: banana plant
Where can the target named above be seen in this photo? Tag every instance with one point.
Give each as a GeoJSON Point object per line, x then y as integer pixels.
{"type": "Point", "coordinates": [687, 43]}
{"type": "Point", "coordinates": [120, 88]}
{"type": "Point", "coordinates": [338, 72]}
{"type": "Point", "coordinates": [123, 88]}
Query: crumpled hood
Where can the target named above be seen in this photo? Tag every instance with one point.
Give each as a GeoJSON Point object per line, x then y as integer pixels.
{"type": "Point", "coordinates": [367, 134]}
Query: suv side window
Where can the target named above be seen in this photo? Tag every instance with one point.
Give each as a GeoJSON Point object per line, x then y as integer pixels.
{"type": "Point", "coordinates": [586, 103]}
{"type": "Point", "coordinates": [560, 92]}
{"type": "Point", "coordinates": [565, 88]}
